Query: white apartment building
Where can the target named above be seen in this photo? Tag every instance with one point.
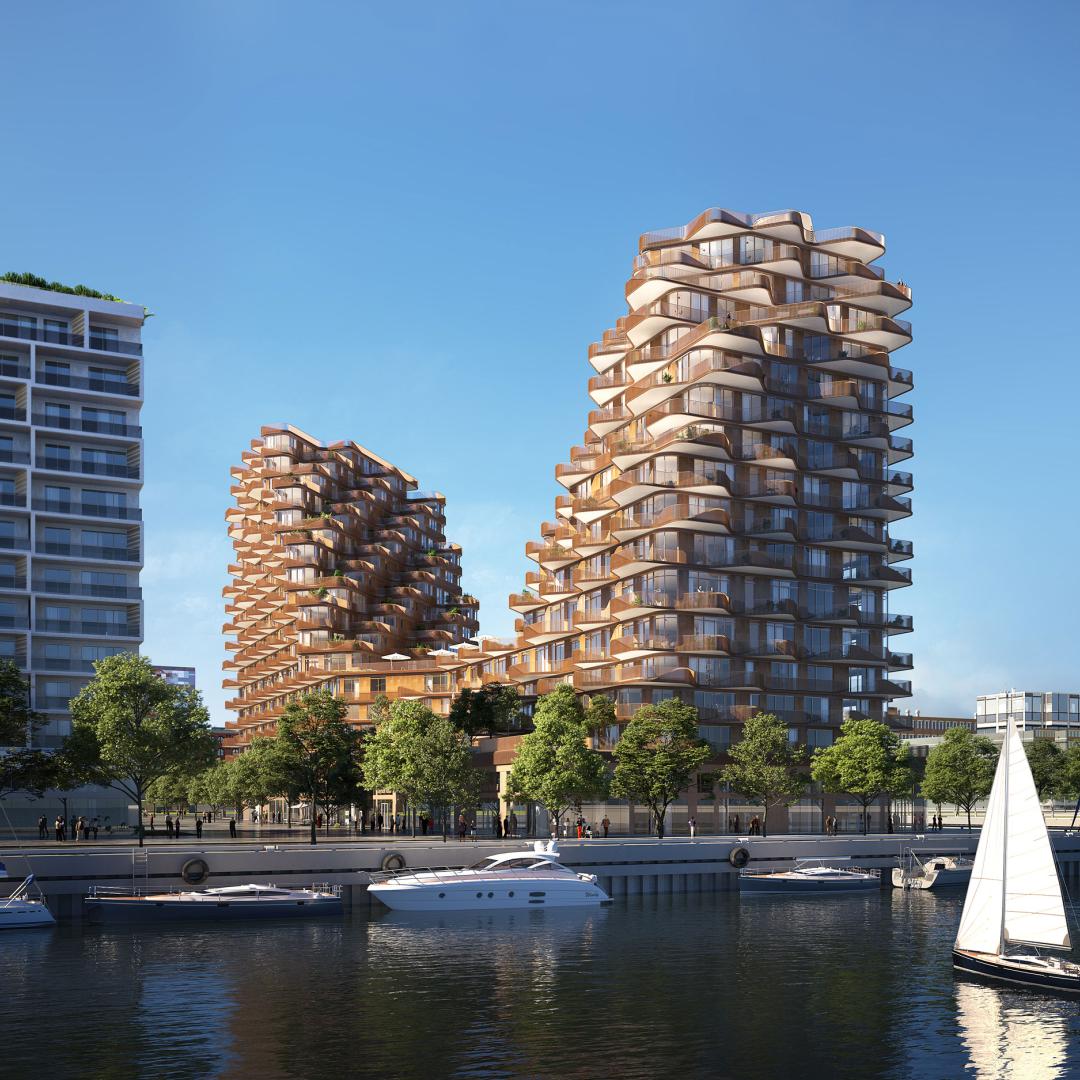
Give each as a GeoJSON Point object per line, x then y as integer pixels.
{"type": "Point", "coordinates": [71, 469]}
{"type": "Point", "coordinates": [1040, 712]}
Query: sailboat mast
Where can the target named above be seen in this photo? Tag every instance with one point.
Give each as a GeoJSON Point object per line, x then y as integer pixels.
{"type": "Point", "coordinates": [1004, 838]}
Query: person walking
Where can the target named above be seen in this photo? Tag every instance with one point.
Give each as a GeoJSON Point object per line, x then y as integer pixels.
{"type": "Point", "coordinates": [605, 825]}
{"type": "Point", "coordinates": [513, 824]}
{"type": "Point", "coordinates": [506, 826]}
{"type": "Point", "coordinates": [462, 828]}
{"type": "Point", "coordinates": [498, 827]}
{"type": "Point", "coordinates": [693, 827]}
{"type": "Point", "coordinates": [168, 825]}
{"type": "Point", "coordinates": [232, 827]}
{"type": "Point", "coordinates": [42, 827]}
{"type": "Point", "coordinates": [198, 828]}
{"type": "Point", "coordinates": [58, 825]}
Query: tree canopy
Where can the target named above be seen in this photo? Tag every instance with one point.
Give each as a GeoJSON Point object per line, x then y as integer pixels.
{"type": "Point", "coordinates": [1048, 767]}
{"type": "Point", "coordinates": [656, 756]}
{"type": "Point", "coordinates": [494, 708]}
{"type": "Point", "coordinates": [555, 766]}
{"type": "Point", "coordinates": [421, 756]}
{"type": "Point", "coordinates": [866, 762]}
{"type": "Point", "coordinates": [764, 765]}
{"type": "Point", "coordinates": [130, 728]}
{"type": "Point", "coordinates": [315, 756]}
{"type": "Point", "coordinates": [22, 768]}
{"type": "Point", "coordinates": [960, 770]}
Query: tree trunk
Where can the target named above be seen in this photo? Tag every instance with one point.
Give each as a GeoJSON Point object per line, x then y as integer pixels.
{"type": "Point", "coordinates": [659, 815]}
{"type": "Point", "coordinates": [969, 817]}
{"type": "Point", "coordinates": [139, 800]}
{"type": "Point", "coordinates": [764, 818]}
{"type": "Point", "coordinates": [314, 824]}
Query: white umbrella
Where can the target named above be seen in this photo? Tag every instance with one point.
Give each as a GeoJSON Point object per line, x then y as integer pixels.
{"type": "Point", "coordinates": [395, 656]}
{"type": "Point", "coordinates": [440, 652]}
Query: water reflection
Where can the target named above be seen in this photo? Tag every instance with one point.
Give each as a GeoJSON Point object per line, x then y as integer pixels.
{"type": "Point", "coordinates": [1013, 1033]}
{"type": "Point", "coordinates": [687, 986]}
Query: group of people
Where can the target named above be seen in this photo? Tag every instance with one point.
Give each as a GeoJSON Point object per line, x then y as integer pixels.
{"type": "Point", "coordinates": [506, 828]}
{"type": "Point", "coordinates": [81, 827]}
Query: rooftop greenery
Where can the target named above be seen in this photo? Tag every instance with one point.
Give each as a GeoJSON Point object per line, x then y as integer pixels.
{"type": "Point", "coordinates": [55, 286]}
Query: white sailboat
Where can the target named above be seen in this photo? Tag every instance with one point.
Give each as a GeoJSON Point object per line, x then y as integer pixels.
{"type": "Point", "coordinates": [1014, 907]}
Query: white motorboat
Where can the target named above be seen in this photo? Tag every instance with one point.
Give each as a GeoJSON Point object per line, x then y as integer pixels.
{"type": "Point", "coordinates": [809, 878]}
{"type": "Point", "coordinates": [1014, 908]}
{"type": "Point", "coordinates": [231, 902]}
{"type": "Point", "coordinates": [533, 878]}
{"type": "Point", "coordinates": [932, 872]}
{"type": "Point", "coordinates": [21, 909]}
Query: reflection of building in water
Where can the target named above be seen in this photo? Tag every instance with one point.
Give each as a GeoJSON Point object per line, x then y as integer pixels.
{"type": "Point", "coordinates": [1011, 1035]}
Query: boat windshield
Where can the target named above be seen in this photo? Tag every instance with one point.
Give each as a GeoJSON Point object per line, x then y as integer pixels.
{"type": "Point", "coordinates": [495, 863]}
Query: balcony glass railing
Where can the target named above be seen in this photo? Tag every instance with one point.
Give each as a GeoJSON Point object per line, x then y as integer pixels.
{"type": "Point", "coordinates": [114, 345]}
{"type": "Point", "coordinates": [96, 427]}
{"type": "Point", "coordinates": [86, 551]}
{"type": "Point", "coordinates": [92, 629]}
{"type": "Point", "coordinates": [56, 506]}
{"type": "Point", "coordinates": [71, 588]}
{"type": "Point", "coordinates": [120, 386]}
{"type": "Point", "coordinates": [89, 468]}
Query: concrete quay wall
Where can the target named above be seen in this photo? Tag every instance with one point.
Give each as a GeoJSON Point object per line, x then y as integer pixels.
{"type": "Point", "coordinates": [624, 866]}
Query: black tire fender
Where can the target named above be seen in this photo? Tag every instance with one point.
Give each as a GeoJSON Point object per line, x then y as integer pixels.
{"type": "Point", "coordinates": [195, 871]}
{"type": "Point", "coordinates": [393, 860]}
{"type": "Point", "coordinates": [739, 857]}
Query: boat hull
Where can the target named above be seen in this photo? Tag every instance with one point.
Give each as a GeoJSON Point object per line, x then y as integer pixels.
{"type": "Point", "coordinates": [936, 879]}
{"type": "Point", "coordinates": [17, 915]}
{"type": "Point", "coordinates": [762, 885]}
{"type": "Point", "coordinates": [488, 896]}
{"type": "Point", "coordinates": [998, 970]}
{"type": "Point", "coordinates": [143, 909]}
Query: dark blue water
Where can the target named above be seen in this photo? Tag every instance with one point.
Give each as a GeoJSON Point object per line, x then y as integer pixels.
{"type": "Point", "coordinates": [687, 986]}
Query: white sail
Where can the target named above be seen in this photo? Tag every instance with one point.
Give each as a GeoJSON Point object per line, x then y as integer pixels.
{"type": "Point", "coordinates": [1014, 856]}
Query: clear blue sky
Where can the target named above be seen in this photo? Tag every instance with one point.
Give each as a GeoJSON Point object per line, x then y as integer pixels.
{"type": "Point", "coordinates": [403, 224]}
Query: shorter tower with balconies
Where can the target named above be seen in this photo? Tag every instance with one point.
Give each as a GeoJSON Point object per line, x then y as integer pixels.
{"type": "Point", "coordinates": [341, 563]}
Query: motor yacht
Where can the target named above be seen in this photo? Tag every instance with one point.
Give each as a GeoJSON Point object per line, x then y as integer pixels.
{"type": "Point", "coordinates": [931, 872]}
{"type": "Point", "coordinates": [808, 878]}
{"type": "Point", "coordinates": [533, 878]}
{"type": "Point", "coordinates": [231, 902]}
{"type": "Point", "coordinates": [21, 909]}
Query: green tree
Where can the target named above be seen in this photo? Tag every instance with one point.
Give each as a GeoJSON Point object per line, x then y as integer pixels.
{"type": "Point", "coordinates": [130, 728]}
{"type": "Point", "coordinates": [555, 765]}
{"type": "Point", "coordinates": [764, 765]}
{"type": "Point", "coordinates": [18, 722]}
{"type": "Point", "coordinates": [600, 715]}
{"type": "Point", "coordinates": [494, 708]}
{"type": "Point", "coordinates": [656, 756]}
{"type": "Point", "coordinates": [315, 755]}
{"type": "Point", "coordinates": [379, 709]}
{"type": "Point", "coordinates": [1047, 763]}
{"type": "Point", "coordinates": [960, 770]}
{"type": "Point", "coordinates": [422, 757]}
{"type": "Point", "coordinates": [865, 763]}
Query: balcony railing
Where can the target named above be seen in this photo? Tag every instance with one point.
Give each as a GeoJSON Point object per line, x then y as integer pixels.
{"type": "Point", "coordinates": [103, 592]}
{"type": "Point", "coordinates": [56, 506]}
{"type": "Point", "coordinates": [35, 333]}
{"type": "Point", "coordinates": [15, 457]}
{"type": "Point", "coordinates": [92, 629]}
{"type": "Point", "coordinates": [95, 427]}
{"type": "Point", "coordinates": [88, 468]}
{"type": "Point", "coordinates": [114, 345]}
{"type": "Point", "coordinates": [123, 387]}
{"type": "Point", "coordinates": [86, 551]}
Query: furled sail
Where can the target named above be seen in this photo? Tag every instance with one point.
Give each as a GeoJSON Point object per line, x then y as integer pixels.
{"type": "Point", "coordinates": [1014, 857]}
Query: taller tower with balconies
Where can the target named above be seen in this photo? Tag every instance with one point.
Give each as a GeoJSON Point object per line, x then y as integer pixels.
{"type": "Point", "coordinates": [726, 536]}
{"type": "Point", "coordinates": [71, 469]}
{"type": "Point", "coordinates": [340, 563]}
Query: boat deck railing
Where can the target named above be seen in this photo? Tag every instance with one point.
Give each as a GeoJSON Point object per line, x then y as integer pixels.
{"type": "Point", "coordinates": [439, 873]}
